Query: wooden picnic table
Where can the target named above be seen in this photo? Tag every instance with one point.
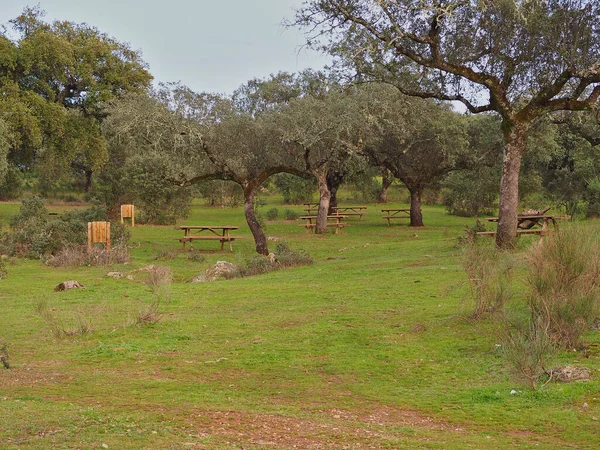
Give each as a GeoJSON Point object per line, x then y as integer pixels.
{"type": "Point", "coordinates": [530, 224]}
{"type": "Point", "coordinates": [212, 233]}
{"type": "Point", "coordinates": [350, 210]}
{"type": "Point", "coordinates": [333, 220]}
{"type": "Point", "coordinates": [309, 206]}
{"type": "Point", "coordinates": [401, 213]}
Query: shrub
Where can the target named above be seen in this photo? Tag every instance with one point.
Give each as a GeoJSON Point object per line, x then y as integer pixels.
{"type": "Point", "coordinates": [528, 348]}
{"type": "Point", "coordinates": [564, 276]}
{"type": "Point", "coordinates": [73, 324]}
{"type": "Point", "coordinates": [34, 234]}
{"type": "Point", "coordinates": [3, 271]}
{"type": "Point", "coordinates": [196, 256]}
{"type": "Point", "coordinates": [80, 255]}
{"type": "Point", "coordinates": [288, 214]}
{"type": "Point", "coordinates": [4, 356]}
{"type": "Point", "coordinates": [166, 255]}
{"type": "Point", "coordinates": [159, 280]}
{"type": "Point", "coordinates": [283, 257]}
{"type": "Point", "coordinates": [272, 214]}
{"type": "Point", "coordinates": [489, 272]}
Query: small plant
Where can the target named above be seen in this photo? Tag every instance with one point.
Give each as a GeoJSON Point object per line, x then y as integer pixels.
{"type": "Point", "coordinates": [166, 255]}
{"type": "Point", "coordinates": [3, 271]}
{"type": "Point", "coordinates": [283, 257]}
{"type": "Point", "coordinates": [489, 272]}
{"type": "Point", "coordinates": [80, 255]}
{"type": "Point", "coordinates": [4, 356]}
{"type": "Point", "coordinates": [196, 256]}
{"type": "Point", "coordinates": [529, 350]}
{"type": "Point", "coordinates": [80, 322]}
{"type": "Point", "coordinates": [159, 280]}
{"type": "Point", "coordinates": [288, 214]}
{"type": "Point", "coordinates": [272, 214]}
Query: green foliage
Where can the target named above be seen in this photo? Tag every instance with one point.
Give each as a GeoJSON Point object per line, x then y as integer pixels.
{"type": "Point", "coordinates": [159, 201]}
{"type": "Point", "coordinates": [564, 276]}
{"type": "Point", "coordinates": [289, 214]}
{"type": "Point", "coordinates": [35, 234]}
{"type": "Point", "coordinates": [471, 193]}
{"type": "Point", "coordinates": [272, 214]}
{"type": "Point", "coordinates": [295, 189]}
{"type": "Point", "coordinates": [56, 80]}
{"type": "Point", "coordinates": [593, 198]}
{"type": "Point", "coordinates": [282, 257]}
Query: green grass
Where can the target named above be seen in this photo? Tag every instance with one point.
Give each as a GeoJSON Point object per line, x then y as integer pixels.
{"type": "Point", "coordinates": [367, 348]}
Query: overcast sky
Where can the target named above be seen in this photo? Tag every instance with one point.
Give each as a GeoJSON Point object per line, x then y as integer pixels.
{"type": "Point", "coordinates": [209, 45]}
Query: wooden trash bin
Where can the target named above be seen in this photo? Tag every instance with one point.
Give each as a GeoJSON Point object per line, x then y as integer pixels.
{"type": "Point", "coordinates": [99, 232]}
{"type": "Point", "coordinates": [128, 211]}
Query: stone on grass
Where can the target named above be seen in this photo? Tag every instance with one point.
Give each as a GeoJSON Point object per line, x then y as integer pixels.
{"type": "Point", "coordinates": [568, 374]}
{"type": "Point", "coordinates": [115, 275]}
{"type": "Point", "coordinates": [221, 270]}
{"type": "Point", "coordinates": [66, 285]}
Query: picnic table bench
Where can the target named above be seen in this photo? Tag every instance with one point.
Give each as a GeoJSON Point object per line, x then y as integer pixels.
{"type": "Point", "coordinates": [350, 210]}
{"type": "Point", "coordinates": [402, 213]}
{"type": "Point", "coordinates": [310, 206]}
{"type": "Point", "coordinates": [530, 224]}
{"type": "Point", "coordinates": [219, 233]}
{"type": "Point", "coordinates": [333, 220]}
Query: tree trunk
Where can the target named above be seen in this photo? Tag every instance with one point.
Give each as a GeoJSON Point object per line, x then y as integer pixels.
{"type": "Point", "coordinates": [324, 199]}
{"type": "Point", "coordinates": [515, 138]}
{"type": "Point", "coordinates": [334, 181]}
{"type": "Point", "coordinates": [260, 239]}
{"type": "Point", "coordinates": [386, 182]}
{"type": "Point", "coordinates": [88, 180]}
{"type": "Point", "coordinates": [416, 216]}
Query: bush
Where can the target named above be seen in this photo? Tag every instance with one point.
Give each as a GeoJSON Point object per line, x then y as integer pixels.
{"type": "Point", "coordinates": [196, 256]}
{"type": "Point", "coordinates": [34, 234]}
{"type": "Point", "coordinates": [80, 255]}
{"type": "Point", "coordinates": [288, 214]}
{"type": "Point", "coordinates": [159, 280]}
{"type": "Point", "coordinates": [3, 271]}
{"type": "Point", "coordinates": [564, 276]}
{"type": "Point", "coordinates": [527, 347]}
{"type": "Point", "coordinates": [72, 324]}
{"type": "Point", "coordinates": [272, 214]}
{"type": "Point", "coordinates": [489, 272]}
{"type": "Point", "coordinates": [282, 257]}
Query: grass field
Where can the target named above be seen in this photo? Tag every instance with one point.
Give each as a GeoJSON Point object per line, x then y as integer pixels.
{"type": "Point", "coordinates": [369, 347]}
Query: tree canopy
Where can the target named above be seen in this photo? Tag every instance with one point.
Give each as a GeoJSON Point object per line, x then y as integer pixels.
{"type": "Point", "coordinates": [519, 58]}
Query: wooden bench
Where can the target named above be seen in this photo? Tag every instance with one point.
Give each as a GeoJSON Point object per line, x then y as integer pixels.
{"type": "Point", "coordinates": [403, 213]}
{"type": "Point", "coordinates": [350, 210]}
{"type": "Point", "coordinates": [334, 220]}
{"type": "Point", "coordinates": [212, 233]}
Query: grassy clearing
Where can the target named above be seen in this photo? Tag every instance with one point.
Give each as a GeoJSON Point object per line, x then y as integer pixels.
{"type": "Point", "coordinates": [372, 346]}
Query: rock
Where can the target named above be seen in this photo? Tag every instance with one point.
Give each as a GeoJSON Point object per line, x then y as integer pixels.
{"type": "Point", "coordinates": [115, 275]}
{"type": "Point", "coordinates": [130, 277]}
{"type": "Point", "coordinates": [221, 270]}
{"type": "Point", "coordinates": [66, 285]}
{"type": "Point", "coordinates": [568, 374]}
{"type": "Point", "coordinates": [271, 257]}
{"type": "Point", "coordinates": [273, 239]}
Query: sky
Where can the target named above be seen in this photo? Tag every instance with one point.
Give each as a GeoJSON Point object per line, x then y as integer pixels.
{"type": "Point", "coordinates": [208, 45]}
